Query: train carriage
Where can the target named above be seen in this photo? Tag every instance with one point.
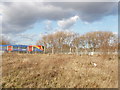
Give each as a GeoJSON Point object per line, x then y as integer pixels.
{"type": "Point", "coordinates": [22, 48]}
{"type": "Point", "coordinates": [3, 47]}
{"type": "Point", "coordinates": [10, 48]}
{"type": "Point", "coordinates": [15, 48]}
{"type": "Point", "coordinates": [38, 48]}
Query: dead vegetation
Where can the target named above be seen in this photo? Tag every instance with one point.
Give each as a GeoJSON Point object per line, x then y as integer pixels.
{"type": "Point", "coordinates": [70, 42]}
{"type": "Point", "coordinates": [59, 71]}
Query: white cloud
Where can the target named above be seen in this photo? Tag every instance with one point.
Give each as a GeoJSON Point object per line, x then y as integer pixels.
{"type": "Point", "coordinates": [20, 38]}
{"type": "Point", "coordinates": [48, 25]}
{"type": "Point", "coordinates": [21, 16]}
{"type": "Point", "coordinates": [67, 23]}
{"type": "Point", "coordinates": [116, 33]}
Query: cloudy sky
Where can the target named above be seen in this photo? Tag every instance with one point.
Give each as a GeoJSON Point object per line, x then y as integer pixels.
{"type": "Point", "coordinates": [26, 22]}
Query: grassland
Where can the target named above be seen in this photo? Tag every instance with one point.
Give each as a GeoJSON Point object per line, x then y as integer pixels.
{"type": "Point", "coordinates": [59, 71]}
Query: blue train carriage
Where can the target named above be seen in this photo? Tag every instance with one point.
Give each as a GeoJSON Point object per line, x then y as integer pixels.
{"type": "Point", "coordinates": [3, 47]}
{"type": "Point", "coordinates": [22, 48]}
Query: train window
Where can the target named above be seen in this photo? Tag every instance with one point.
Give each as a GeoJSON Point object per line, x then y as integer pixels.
{"type": "Point", "coordinates": [24, 47]}
{"type": "Point", "coordinates": [4, 47]}
{"type": "Point", "coordinates": [34, 48]}
{"type": "Point", "coordinates": [15, 47]}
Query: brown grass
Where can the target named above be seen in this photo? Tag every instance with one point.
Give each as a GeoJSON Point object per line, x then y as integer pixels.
{"type": "Point", "coordinates": [59, 71]}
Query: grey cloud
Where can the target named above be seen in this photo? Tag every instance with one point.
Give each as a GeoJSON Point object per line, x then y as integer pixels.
{"type": "Point", "coordinates": [18, 17]}
{"type": "Point", "coordinates": [90, 11]}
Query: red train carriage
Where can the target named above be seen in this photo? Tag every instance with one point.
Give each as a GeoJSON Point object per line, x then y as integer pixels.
{"type": "Point", "coordinates": [9, 48]}
{"type": "Point", "coordinates": [35, 48]}
{"type": "Point", "coordinates": [30, 48]}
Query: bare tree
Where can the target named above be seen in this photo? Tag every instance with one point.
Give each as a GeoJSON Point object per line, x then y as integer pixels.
{"type": "Point", "coordinates": [52, 42]}
{"type": "Point", "coordinates": [69, 40]}
{"type": "Point", "coordinates": [76, 42]}
{"type": "Point", "coordinates": [4, 41]}
{"type": "Point", "coordinates": [60, 37]}
{"type": "Point", "coordinates": [92, 41]}
{"type": "Point", "coordinates": [99, 39]}
{"type": "Point", "coordinates": [105, 40]}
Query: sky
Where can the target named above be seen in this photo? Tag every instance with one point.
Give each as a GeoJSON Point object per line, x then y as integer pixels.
{"type": "Point", "coordinates": [27, 22]}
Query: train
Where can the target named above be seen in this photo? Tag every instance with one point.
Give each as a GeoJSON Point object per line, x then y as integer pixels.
{"type": "Point", "coordinates": [22, 48]}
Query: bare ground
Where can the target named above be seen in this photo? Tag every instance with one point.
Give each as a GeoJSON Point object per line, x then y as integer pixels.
{"type": "Point", "coordinates": [59, 71]}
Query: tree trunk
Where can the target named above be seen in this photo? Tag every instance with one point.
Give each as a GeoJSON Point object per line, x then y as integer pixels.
{"type": "Point", "coordinates": [61, 49]}
{"type": "Point", "coordinates": [52, 50]}
{"type": "Point", "coordinates": [70, 50]}
{"type": "Point", "coordinates": [77, 50]}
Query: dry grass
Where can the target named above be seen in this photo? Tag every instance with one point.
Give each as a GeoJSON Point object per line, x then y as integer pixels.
{"type": "Point", "coordinates": [59, 71]}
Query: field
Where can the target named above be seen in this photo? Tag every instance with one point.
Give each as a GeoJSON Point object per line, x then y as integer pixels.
{"type": "Point", "coordinates": [59, 71]}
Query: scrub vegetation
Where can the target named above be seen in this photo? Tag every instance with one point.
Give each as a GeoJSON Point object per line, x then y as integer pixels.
{"type": "Point", "coordinates": [59, 71]}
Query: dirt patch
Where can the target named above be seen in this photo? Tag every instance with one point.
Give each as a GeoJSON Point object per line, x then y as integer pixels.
{"type": "Point", "coordinates": [59, 71]}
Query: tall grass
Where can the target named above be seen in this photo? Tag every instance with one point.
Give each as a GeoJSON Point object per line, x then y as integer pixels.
{"type": "Point", "coordinates": [59, 71]}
